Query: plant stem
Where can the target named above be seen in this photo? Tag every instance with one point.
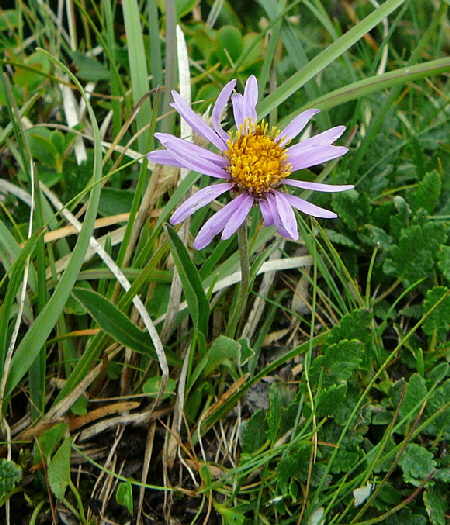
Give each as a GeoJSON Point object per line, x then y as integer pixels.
{"type": "Point", "coordinates": [239, 307]}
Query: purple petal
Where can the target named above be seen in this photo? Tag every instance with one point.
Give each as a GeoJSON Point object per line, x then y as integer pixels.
{"type": "Point", "coordinates": [172, 142]}
{"type": "Point", "coordinates": [297, 125]}
{"type": "Point", "coordinates": [188, 157]}
{"type": "Point", "coordinates": [286, 215]}
{"type": "Point", "coordinates": [219, 221]}
{"type": "Point", "coordinates": [245, 205]}
{"type": "Point", "coordinates": [308, 208]}
{"type": "Point", "coordinates": [266, 212]}
{"type": "Point", "coordinates": [250, 99]}
{"type": "Point", "coordinates": [311, 157]}
{"type": "Point", "coordinates": [315, 186]}
{"type": "Point", "coordinates": [219, 106]}
{"type": "Point", "coordinates": [237, 101]}
{"type": "Point", "coordinates": [164, 157]}
{"type": "Point", "coordinates": [196, 122]}
{"type": "Point", "coordinates": [277, 221]}
{"type": "Point", "coordinates": [326, 138]}
{"type": "Point", "coordinates": [199, 200]}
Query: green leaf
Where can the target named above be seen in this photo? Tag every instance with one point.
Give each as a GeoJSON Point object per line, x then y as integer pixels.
{"type": "Point", "coordinates": [329, 399]}
{"type": "Point", "coordinates": [439, 402]}
{"type": "Point", "coordinates": [326, 57]}
{"type": "Point", "coordinates": [444, 261]}
{"type": "Point", "coordinates": [48, 442]}
{"type": "Point", "coordinates": [38, 333]}
{"type": "Point", "coordinates": [427, 193]}
{"type": "Point", "coordinates": [195, 296]}
{"type": "Point", "coordinates": [255, 433]}
{"type": "Point", "coordinates": [59, 469]}
{"type": "Point", "coordinates": [89, 68]}
{"type": "Point", "coordinates": [229, 516]}
{"type": "Point", "coordinates": [279, 399]}
{"type": "Point", "coordinates": [151, 387]}
{"type": "Point", "coordinates": [417, 464]}
{"type": "Point", "coordinates": [116, 323]}
{"type": "Point", "coordinates": [414, 257]}
{"type": "Point", "coordinates": [223, 352]}
{"type": "Point", "coordinates": [230, 45]}
{"type": "Point", "coordinates": [124, 495]}
{"type": "Point", "coordinates": [10, 475]}
{"type": "Point", "coordinates": [435, 499]}
{"type": "Point", "coordinates": [415, 394]}
{"type": "Point", "coordinates": [353, 208]}
{"type": "Point", "coordinates": [439, 319]}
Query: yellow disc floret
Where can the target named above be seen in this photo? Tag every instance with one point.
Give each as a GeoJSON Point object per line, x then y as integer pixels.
{"type": "Point", "coordinates": [257, 163]}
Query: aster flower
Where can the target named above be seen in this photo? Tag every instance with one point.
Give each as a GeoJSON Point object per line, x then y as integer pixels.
{"type": "Point", "coordinates": [253, 162]}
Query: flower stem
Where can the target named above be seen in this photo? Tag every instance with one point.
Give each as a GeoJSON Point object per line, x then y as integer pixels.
{"type": "Point", "coordinates": [239, 307]}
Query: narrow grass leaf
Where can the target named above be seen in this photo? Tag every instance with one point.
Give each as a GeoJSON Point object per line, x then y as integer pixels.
{"type": "Point", "coordinates": [37, 334]}
{"type": "Point", "coordinates": [326, 57]}
{"type": "Point", "coordinates": [195, 296]}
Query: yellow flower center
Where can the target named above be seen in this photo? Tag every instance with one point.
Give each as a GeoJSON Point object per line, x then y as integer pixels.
{"type": "Point", "coordinates": [257, 163]}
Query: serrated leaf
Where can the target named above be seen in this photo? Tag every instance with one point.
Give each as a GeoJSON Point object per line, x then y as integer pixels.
{"type": "Point", "coordinates": [279, 399]}
{"type": "Point", "coordinates": [352, 207]}
{"type": "Point", "coordinates": [255, 433]}
{"type": "Point", "coordinates": [59, 469]}
{"type": "Point", "coordinates": [438, 320]}
{"type": "Point", "coordinates": [417, 464]}
{"type": "Point", "coordinates": [10, 475]}
{"type": "Point", "coordinates": [414, 257]}
{"type": "Point", "coordinates": [439, 402]}
{"type": "Point", "coordinates": [436, 503]}
{"type": "Point", "coordinates": [414, 396]}
{"type": "Point", "coordinates": [444, 261]}
{"type": "Point", "coordinates": [427, 193]}
{"type": "Point", "coordinates": [295, 465]}
{"type": "Point", "coordinates": [124, 495]}
{"type": "Point", "coordinates": [329, 399]}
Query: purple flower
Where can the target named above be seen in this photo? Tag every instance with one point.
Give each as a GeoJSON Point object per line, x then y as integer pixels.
{"type": "Point", "coordinates": [253, 162]}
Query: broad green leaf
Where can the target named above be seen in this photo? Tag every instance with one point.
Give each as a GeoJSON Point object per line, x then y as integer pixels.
{"type": "Point", "coordinates": [89, 68]}
{"type": "Point", "coordinates": [417, 464]}
{"type": "Point", "coordinates": [124, 495]}
{"type": "Point", "coordinates": [48, 442]}
{"type": "Point", "coordinates": [151, 387]}
{"type": "Point", "coordinates": [116, 323]}
{"type": "Point", "coordinates": [223, 352]}
{"type": "Point", "coordinates": [59, 469]}
{"type": "Point", "coordinates": [197, 302]}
